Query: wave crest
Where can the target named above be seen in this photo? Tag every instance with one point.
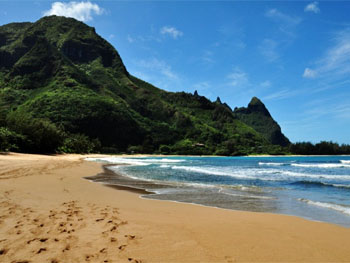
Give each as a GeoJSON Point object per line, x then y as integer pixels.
{"type": "Point", "coordinates": [339, 208]}
{"type": "Point", "coordinates": [272, 164]}
{"type": "Point", "coordinates": [322, 165]}
{"type": "Point", "coordinates": [321, 184]}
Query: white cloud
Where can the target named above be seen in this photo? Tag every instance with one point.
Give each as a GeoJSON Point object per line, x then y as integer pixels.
{"type": "Point", "coordinates": [309, 73]}
{"type": "Point", "coordinates": [130, 39]}
{"type": "Point", "coordinates": [282, 17]}
{"type": "Point", "coordinates": [335, 62]}
{"type": "Point", "coordinates": [337, 57]}
{"type": "Point", "coordinates": [82, 11]}
{"type": "Point", "coordinates": [238, 78]}
{"type": "Point", "coordinates": [268, 49]}
{"type": "Point", "coordinates": [312, 7]}
{"type": "Point", "coordinates": [158, 66]}
{"type": "Point", "coordinates": [208, 57]}
{"type": "Point", "coordinates": [282, 94]}
{"type": "Point", "coordinates": [336, 110]}
{"type": "Point", "coordinates": [265, 84]}
{"type": "Point", "coordinates": [157, 72]}
{"type": "Point", "coordinates": [285, 22]}
{"type": "Point", "coordinates": [111, 36]}
{"type": "Point", "coordinates": [171, 31]}
{"type": "Point", "coordinates": [142, 75]}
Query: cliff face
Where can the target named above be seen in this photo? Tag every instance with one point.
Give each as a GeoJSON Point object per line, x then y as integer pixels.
{"type": "Point", "coordinates": [258, 117]}
{"type": "Point", "coordinates": [58, 70]}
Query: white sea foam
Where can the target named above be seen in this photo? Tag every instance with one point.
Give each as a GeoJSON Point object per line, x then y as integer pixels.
{"type": "Point", "coordinates": [322, 165]}
{"type": "Point", "coordinates": [316, 176]}
{"type": "Point", "coordinates": [272, 164]}
{"type": "Point", "coordinates": [118, 160]}
{"type": "Point", "coordinates": [198, 185]}
{"type": "Point", "coordinates": [341, 185]}
{"type": "Point", "coordinates": [345, 161]}
{"type": "Point", "coordinates": [259, 174]}
{"type": "Point", "coordinates": [214, 171]}
{"type": "Point", "coordinates": [246, 195]}
{"type": "Point", "coordinates": [339, 208]}
{"type": "Point", "coordinates": [163, 160]}
{"type": "Point", "coordinates": [133, 161]}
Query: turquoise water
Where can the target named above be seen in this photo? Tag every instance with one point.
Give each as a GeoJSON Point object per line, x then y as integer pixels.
{"type": "Point", "coordinates": [316, 188]}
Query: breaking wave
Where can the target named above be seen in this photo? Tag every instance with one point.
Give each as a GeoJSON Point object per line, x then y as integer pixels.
{"type": "Point", "coordinates": [321, 184]}
{"type": "Point", "coordinates": [322, 165]}
{"type": "Point", "coordinates": [339, 208]}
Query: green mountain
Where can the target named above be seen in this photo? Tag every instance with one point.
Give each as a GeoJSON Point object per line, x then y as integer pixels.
{"type": "Point", "coordinates": [64, 88]}
{"type": "Point", "coordinates": [258, 117]}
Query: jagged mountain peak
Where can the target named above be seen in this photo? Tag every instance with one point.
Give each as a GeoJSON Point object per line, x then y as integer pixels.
{"type": "Point", "coordinates": [257, 116]}
{"type": "Point", "coordinates": [256, 105]}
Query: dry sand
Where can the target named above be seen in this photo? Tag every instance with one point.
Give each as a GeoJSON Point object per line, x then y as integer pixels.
{"type": "Point", "coordinates": [48, 213]}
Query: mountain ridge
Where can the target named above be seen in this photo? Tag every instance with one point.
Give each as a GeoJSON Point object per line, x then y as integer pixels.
{"type": "Point", "coordinates": [57, 72]}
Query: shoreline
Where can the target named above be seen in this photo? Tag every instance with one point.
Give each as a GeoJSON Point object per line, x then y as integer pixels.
{"type": "Point", "coordinates": [174, 155]}
{"type": "Point", "coordinates": [164, 191]}
{"type": "Point", "coordinates": [48, 190]}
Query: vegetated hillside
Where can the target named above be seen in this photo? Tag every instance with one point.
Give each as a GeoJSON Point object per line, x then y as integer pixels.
{"type": "Point", "coordinates": [64, 88]}
{"type": "Point", "coordinates": [258, 117]}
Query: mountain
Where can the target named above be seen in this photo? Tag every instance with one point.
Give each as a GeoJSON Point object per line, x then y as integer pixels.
{"type": "Point", "coordinates": [64, 88]}
{"type": "Point", "coordinates": [258, 117]}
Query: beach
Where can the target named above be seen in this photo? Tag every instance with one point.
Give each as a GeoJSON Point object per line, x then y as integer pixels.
{"type": "Point", "coordinates": [49, 213]}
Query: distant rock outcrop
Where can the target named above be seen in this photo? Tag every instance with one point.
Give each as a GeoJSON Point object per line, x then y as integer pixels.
{"type": "Point", "coordinates": [258, 117]}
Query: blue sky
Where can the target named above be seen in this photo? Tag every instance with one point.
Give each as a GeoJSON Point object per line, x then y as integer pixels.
{"type": "Point", "coordinates": [294, 56]}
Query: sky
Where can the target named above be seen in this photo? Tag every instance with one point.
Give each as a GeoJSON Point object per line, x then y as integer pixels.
{"type": "Point", "coordinates": [293, 55]}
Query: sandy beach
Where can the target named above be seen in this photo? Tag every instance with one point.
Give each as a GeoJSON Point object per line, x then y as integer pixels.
{"type": "Point", "coordinates": [49, 213]}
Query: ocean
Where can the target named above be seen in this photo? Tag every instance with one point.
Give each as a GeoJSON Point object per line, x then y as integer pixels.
{"type": "Point", "coordinates": [313, 187]}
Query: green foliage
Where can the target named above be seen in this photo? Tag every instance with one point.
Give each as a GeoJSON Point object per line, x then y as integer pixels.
{"type": "Point", "coordinates": [135, 149]}
{"type": "Point", "coordinates": [40, 135]}
{"type": "Point", "coordinates": [79, 143]}
{"type": "Point", "coordinates": [164, 149]}
{"type": "Point", "coordinates": [321, 148]}
{"type": "Point", "coordinates": [9, 140]}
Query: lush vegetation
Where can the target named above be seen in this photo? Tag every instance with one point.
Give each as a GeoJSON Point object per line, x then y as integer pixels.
{"type": "Point", "coordinates": [65, 89]}
{"type": "Point", "coordinates": [321, 148]}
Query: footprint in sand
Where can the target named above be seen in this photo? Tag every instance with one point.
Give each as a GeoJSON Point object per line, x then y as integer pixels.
{"type": "Point", "coordinates": [43, 249]}
{"type": "Point", "coordinates": [3, 251]}
{"type": "Point", "coordinates": [229, 259]}
{"type": "Point", "coordinates": [89, 257]}
{"type": "Point", "coordinates": [122, 247]}
{"type": "Point", "coordinates": [103, 250]}
{"type": "Point", "coordinates": [130, 237]}
{"type": "Point", "coordinates": [66, 248]}
{"type": "Point", "coordinates": [134, 260]}
{"type": "Point", "coordinates": [30, 241]}
{"type": "Point", "coordinates": [61, 227]}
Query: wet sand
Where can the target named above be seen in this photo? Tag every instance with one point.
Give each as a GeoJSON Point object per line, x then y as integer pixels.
{"type": "Point", "coordinates": [49, 213]}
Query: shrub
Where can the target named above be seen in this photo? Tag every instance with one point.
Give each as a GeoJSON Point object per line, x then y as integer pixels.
{"type": "Point", "coordinates": [9, 140]}
{"type": "Point", "coordinates": [39, 135]}
{"type": "Point", "coordinates": [79, 143]}
{"type": "Point", "coordinates": [164, 149]}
